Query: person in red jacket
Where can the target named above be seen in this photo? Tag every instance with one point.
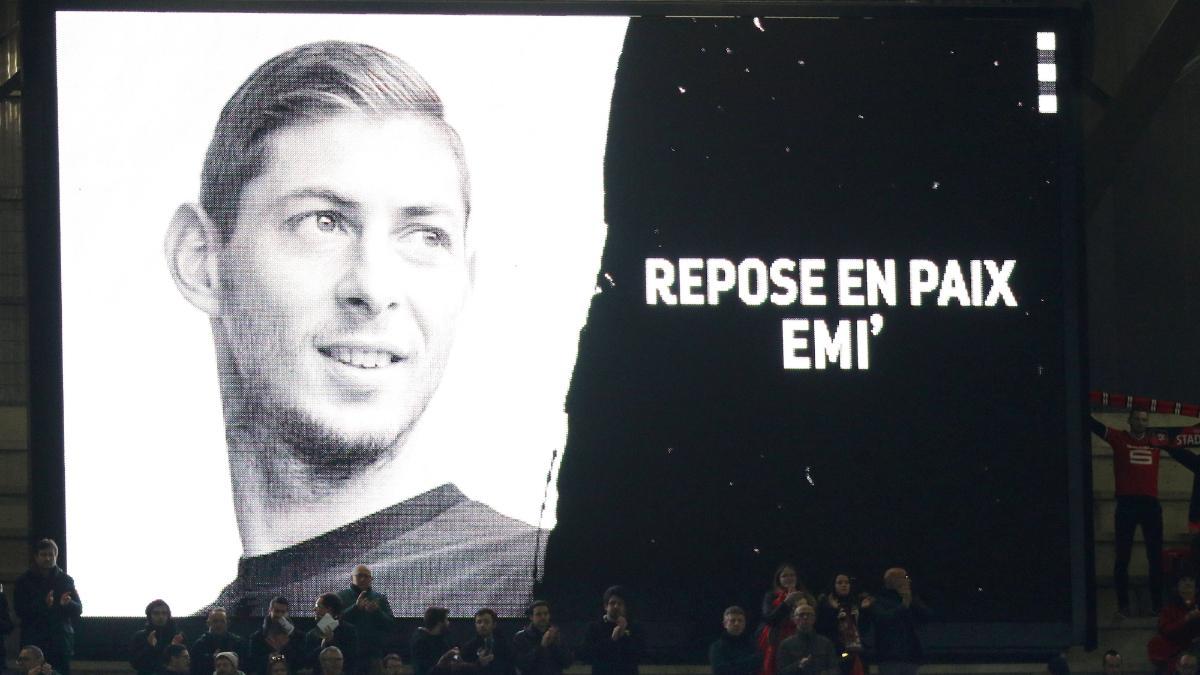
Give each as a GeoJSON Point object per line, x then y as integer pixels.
{"type": "Point", "coordinates": [1178, 627]}
{"type": "Point", "coordinates": [1136, 456]}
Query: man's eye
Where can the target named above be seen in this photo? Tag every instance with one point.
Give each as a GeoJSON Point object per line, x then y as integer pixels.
{"type": "Point", "coordinates": [428, 236]}
{"type": "Point", "coordinates": [322, 221]}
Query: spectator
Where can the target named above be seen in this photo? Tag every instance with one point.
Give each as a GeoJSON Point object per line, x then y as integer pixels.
{"type": "Point", "coordinates": [614, 645]}
{"type": "Point", "coordinates": [392, 664]}
{"type": "Point", "coordinates": [6, 626]}
{"type": "Point", "coordinates": [48, 605]}
{"type": "Point", "coordinates": [148, 646]}
{"type": "Point", "coordinates": [1178, 626]}
{"type": "Point", "coordinates": [1187, 664]}
{"type": "Point", "coordinates": [487, 652]}
{"type": "Point", "coordinates": [31, 661]}
{"type": "Point", "coordinates": [226, 663]}
{"type": "Point", "coordinates": [1135, 468]}
{"type": "Point", "coordinates": [277, 637]}
{"type": "Point", "coordinates": [839, 615]}
{"type": "Point", "coordinates": [787, 591]}
{"type": "Point", "coordinates": [176, 660]}
{"type": "Point", "coordinates": [1111, 662]}
{"type": "Point", "coordinates": [216, 639]}
{"type": "Point", "coordinates": [734, 653]}
{"type": "Point", "coordinates": [331, 661]}
{"type": "Point", "coordinates": [331, 631]}
{"type": "Point", "coordinates": [368, 611]}
{"type": "Point", "coordinates": [895, 615]}
{"type": "Point", "coordinates": [539, 648]}
{"type": "Point", "coordinates": [806, 651]}
{"type": "Point", "coordinates": [277, 664]}
{"type": "Point", "coordinates": [430, 649]}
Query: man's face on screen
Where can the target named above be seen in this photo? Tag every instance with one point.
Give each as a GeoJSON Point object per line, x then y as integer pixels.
{"type": "Point", "coordinates": [342, 283]}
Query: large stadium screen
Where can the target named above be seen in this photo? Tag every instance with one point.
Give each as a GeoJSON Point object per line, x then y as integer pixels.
{"type": "Point", "coordinates": [509, 306]}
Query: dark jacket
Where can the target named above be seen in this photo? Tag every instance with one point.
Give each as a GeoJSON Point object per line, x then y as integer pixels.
{"type": "Point", "coordinates": [729, 655]}
{"type": "Point", "coordinates": [534, 659]}
{"type": "Point", "coordinates": [259, 652]}
{"type": "Point", "coordinates": [895, 628]}
{"type": "Point", "coordinates": [427, 649]}
{"type": "Point", "coordinates": [504, 662]}
{"type": "Point", "coordinates": [145, 658]}
{"type": "Point", "coordinates": [51, 628]}
{"type": "Point", "coordinates": [6, 626]}
{"type": "Point", "coordinates": [345, 638]}
{"type": "Point", "coordinates": [811, 645]}
{"type": "Point", "coordinates": [376, 630]}
{"type": "Point", "coordinates": [613, 657]}
{"type": "Point", "coordinates": [203, 649]}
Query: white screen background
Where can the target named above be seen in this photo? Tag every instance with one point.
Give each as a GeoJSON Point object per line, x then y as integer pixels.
{"type": "Point", "coordinates": [147, 483]}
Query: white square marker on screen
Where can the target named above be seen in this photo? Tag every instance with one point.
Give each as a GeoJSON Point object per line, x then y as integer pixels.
{"type": "Point", "coordinates": [1047, 72]}
{"type": "Point", "coordinates": [1045, 41]}
{"type": "Point", "coordinates": [1048, 103]}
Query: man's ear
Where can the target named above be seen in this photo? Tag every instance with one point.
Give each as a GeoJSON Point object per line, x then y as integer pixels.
{"type": "Point", "coordinates": [191, 248]}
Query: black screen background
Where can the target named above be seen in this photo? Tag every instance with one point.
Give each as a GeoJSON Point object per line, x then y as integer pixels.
{"type": "Point", "coordinates": [684, 475]}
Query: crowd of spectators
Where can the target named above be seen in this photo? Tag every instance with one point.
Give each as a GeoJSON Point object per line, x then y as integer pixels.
{"type": "Point", "coordinates": [355, 633]}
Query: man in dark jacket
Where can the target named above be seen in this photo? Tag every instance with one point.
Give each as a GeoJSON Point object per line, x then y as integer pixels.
{"type": "Point", "coordinates": [735, 652]}
{"type": "Point", "coordinates": [807, 652]}
{"type": "Point", "coordinates": [31, 661]}
{"type": "Point", "coordinates": [539, 648]}
{"type": "Point", "coordinates": [431, 651]}
{"type": "Point", "coordinates": [48, 606]}
{"type": "Point", "coordinates": [215, 640]}
{"type": "Point", "coordinates": [337, 633]}
{"type": "Point", "coordinates": [896, 613]}
{"type": "Point", "coordinates": [368, 611]}
{"type": "Point", "coordinates": [149, 645]}
{"type": "Point", "coordinates": [277, 637]}
{"type": "Point", "coordinates": [488, 653]}
{"type": "Point", "coordinates": [613, 644]}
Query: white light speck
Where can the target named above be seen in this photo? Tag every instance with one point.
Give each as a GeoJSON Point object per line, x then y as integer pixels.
{"type": "Point", "coordinates": [729, 50]}
{"type": "Point", "coordinates": [682, 90]}
{"type": "Point", "coordinates": [861, 117]}
{"type": "Point", "coordinates": [747, 70]}
{"type": "Point", "coordinates": [808, 476]}
{"type": "Point", "coordinates": [596, 291]}
{"type": "Point", "coordinates": [670, 450]}
{"type": "Point", "coordinates": [1020, 104]}
{"type": "Point", "coordinates": [996, 63]}
{"type": "Point", "coordinates": [787, 148]}
{"type": "Point", "coordinates": [936, 185]}
{"type": "Point", "coordinates": [703, 50]}
{"type": "Point", "coordinates": [610, 279]}
{"type": "Point", "coordinates": [951, 51]}
{"type": "Point", "coordinates": [758, 25]}
{"type": "Point", "coordinates": [730, 483]}
{"type": "Point", "coordinates": [757, 551]}
{"type": "Point", "coordinates": [800, 62]}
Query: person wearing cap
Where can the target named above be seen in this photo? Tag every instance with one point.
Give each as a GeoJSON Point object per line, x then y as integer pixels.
{"type": "Point", "coordinates": [226, 663]}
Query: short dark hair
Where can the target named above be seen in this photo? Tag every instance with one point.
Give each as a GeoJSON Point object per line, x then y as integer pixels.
{"type": "Point", "coordinates": [486, 610]}
{"type": "Point", "coordinates": [173, 651]}
{"type": "Point", "coordinates": [331, 602]}
{"type": "Point", "coordinates": [534, 605]}
{"type": "Point", "coordinates": [46, 544]}
{"type": "Point", "coordinates": [392, 656]}
{"type": "Point", "coordinates": [779, 572]}
{"type": "Point", "coordinates": [614, 591]}
{"type": "Point", "coordinates": [278, 600]}
{"type": "Point", "coordinates": [435, 615]}
{"type": "Point", "coordinates": [734, 609]}
{"type": "Point", "coordinates": [155, 603]}
{"type": "Point", "coordinates": [303, 85]}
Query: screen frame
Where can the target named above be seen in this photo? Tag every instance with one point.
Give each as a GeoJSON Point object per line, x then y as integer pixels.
{"type": "Point", "coordinates": [39, 128]}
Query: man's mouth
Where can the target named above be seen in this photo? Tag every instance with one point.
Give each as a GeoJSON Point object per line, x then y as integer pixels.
{"type": "Point", "coordinates": [360, 357]}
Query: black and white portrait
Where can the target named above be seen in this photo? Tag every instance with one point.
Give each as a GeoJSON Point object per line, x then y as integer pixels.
{"type": "Point", "coordinates": [387, 231]}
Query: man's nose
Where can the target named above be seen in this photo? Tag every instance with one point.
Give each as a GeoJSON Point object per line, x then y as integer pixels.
{"type": "Point", "coordinates": [372, 281]}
